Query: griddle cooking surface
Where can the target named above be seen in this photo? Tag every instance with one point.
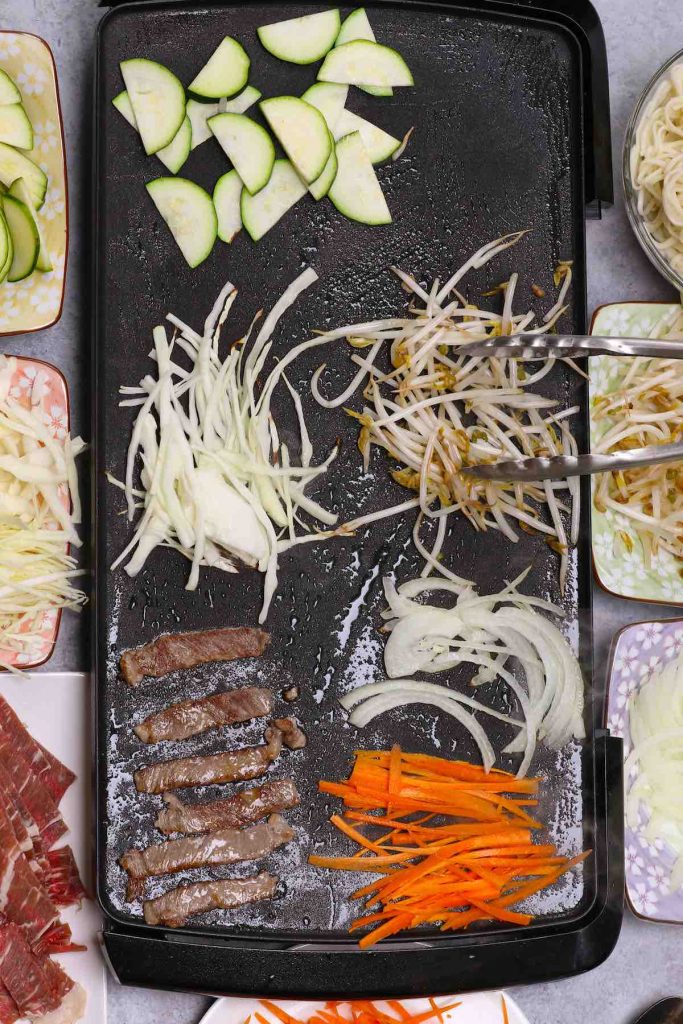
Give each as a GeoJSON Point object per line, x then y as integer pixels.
{"type": "Point", "coordinates": [497, 146]}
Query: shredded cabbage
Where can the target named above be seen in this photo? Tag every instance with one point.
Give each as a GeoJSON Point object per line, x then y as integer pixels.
{"type": "Point", "coordinates": [217, 482]}
{"type": "Point", "coordinates": [39, 510]}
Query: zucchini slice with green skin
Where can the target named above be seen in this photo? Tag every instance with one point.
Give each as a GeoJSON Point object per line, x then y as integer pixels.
{"type": "Point", "coordinates": [357, 26]}
{"type": "Point", "coordinates": [199, 113]}
{"type": "Point", "coordinates": [301, 131]}
{"type": "Point", "coordinates": [379, 145]}
{"type": "Point", "coordinates": [190, 214]}
{"type": "Point", "coordinates": [225, 72]}
{"type": "Point", "coordinates": [19, 190]}
{"type": "Point", "coordinates": [15, 127]}
{"type": "Point", "coordinates": [176, 153]}
{"type": "Point", "coordinates": [6, 251]}
{"type": "Point", "coordinates": [24, 234]}
{"type": "Point", "coordinates": [247, 145]}
{"type": "Point", "coordinates": [158, 101]}
{"type": "Point", "coordinates": [227, 195]}
{"type": "Point", "coordinates": [329, 99]}
{"type": "Point", "coordinates": [14, 164]}
{"type": "Point", "coordinates": [125, 108]}
{"type": "Point", "coordinates": [322, 185]}
{"type": "Point", "coordinates": [364, 63]}
{"type": "Point", "coordinates": [267, 207]}
{"type": "Point", "coordinates": [8, 90]}
{"type": "Point", "coordinates": [240, 104]}
{"type": "Point", "coordinates": [356, 191]}
{"type": "Point", "coordinates": [301, 40]}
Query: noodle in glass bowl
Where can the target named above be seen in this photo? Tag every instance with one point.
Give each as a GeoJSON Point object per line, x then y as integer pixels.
{"type": "Point", "coordinates": [653, 170]}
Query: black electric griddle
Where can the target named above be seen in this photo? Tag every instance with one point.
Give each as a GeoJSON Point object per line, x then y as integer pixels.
{"type": "Point", "coordinates": [505, 130]}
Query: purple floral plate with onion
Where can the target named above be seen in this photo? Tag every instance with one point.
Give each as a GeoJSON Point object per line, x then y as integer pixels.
{"type": "Point", "coordinates": [638, 651]}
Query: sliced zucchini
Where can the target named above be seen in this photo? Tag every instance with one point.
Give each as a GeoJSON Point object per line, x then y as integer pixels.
{"type": "Point", "coordinates": [190, 214]}
{"type": "Point", "coordinates": [14, 164]}
{"type": "Point", "coordinates": [15, 127]}
{"type": "Point", "coordinates": [302, 132]}
{"type": "Point", "coordinates": [240, 104]}
{"type": "Point", "coordinates": [158, 101]}
{"type": "Point", "coordinates": [247, 145]}
{"type": "Point", "coordinates": [125, 108]}
{"type": "Point", "coordinates": [262, 211]}
{"type": "Point", "coordinates": [356, 191]}
{"type": "Point", "coordinates": [199, 113]}
{"type": "Point", "coordinates": [379, 145]}
{"type": "Point", "coordinates": [225, 72]}
{"type": "Point", "coordinates": [322, 185]}
{"type": "Point", "coordinates": [19, 190]}
{"type": "Point", "coordinates": [176, 153]}
{"type": "Point", "coordinates": [357, 26]}
{"type": "Point", "coordinates": [6, 251]}
{"type": "Point", "coordinates": [24, 234]}
{"type": "Point", "coordinates": [227, 194]}
{"type": "Point", "coordinates": [8, 90]}
{"type": "Point", "coordinates": [330, 100]}
{"type": "Point", "coordinates": [364, 63]}
{"type": "Point", "coordinates": [301, 40]}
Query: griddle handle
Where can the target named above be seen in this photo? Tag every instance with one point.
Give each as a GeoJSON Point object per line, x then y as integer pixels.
{"type": "Point", "coordinates": [454, 963]}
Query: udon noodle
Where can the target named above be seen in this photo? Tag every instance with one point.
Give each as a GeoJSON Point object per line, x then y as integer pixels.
{"type": "Point", "coordinates": [656, 163]}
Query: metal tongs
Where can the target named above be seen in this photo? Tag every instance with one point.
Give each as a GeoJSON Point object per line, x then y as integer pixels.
{"type": "Point", "coordinates": [528, 347]}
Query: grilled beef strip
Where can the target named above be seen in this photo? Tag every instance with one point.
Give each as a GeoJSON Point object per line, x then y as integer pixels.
{"type": "Point", "coordinates": [231, 812]}
{"type": "Point", "coordinates": [226, 766]}
{"type": "Point", "coordinates": [191, 717]}
{"type": "Point", "coordinates": [174, 907]}
{"type": "Point", "coordinates": [185, 650]}
{"type": "Point", "coordinates": [229, 846]}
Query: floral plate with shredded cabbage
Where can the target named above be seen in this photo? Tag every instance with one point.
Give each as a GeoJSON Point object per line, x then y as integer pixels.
{"type": "Point", "coordinates": [640, 650]}
{"type": "Point", "coordinates": [617, 570]}
{"type": "Point", "coordinates": [36, 302]}
{"type": "Point", "coordinates": [42, 388]}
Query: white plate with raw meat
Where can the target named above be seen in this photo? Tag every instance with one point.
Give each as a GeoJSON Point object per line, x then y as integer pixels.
{"type": "Point", "coordinates": [54, 708]}
{"type": "Point", "coordinates": [472, 1008]}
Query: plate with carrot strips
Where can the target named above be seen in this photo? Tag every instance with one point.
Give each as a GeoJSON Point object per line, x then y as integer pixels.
{"type": "Point", "coordinates": [471, 1008]}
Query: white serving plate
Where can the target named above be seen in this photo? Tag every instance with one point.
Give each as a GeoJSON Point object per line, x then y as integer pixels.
{"type": "Point", "coordinates": [474, 1008]}
{"type": "Point", "coordinates": [55, 707]}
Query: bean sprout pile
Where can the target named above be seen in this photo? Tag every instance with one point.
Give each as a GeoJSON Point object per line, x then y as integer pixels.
{"type": "Point", "coordinates": [438, 410]}
{"type": "Point", "coordinates": [656, 162]}
{"type": "Point", "coordinates": [645, 408]}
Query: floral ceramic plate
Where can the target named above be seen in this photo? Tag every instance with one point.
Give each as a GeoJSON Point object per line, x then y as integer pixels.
{"type": "Point", "coordinates": [41, 387]}
{"type": "Point", "coordinates": [470, 1008]}
{"type": "Point", "coordinates": [639, 650]}
{"type": "Point", "coordinates": [36, 302]}
{"type": "Point", "coordinates": [617, 570]}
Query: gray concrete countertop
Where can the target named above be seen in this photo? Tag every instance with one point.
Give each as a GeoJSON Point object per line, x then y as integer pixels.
{"type": "Point", "coordinates": [648, 961]}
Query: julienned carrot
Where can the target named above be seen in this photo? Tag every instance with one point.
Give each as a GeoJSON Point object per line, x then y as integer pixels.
{"type": "Point", "coordinates": [472, 863]}
{"type": "Point", "coordinates": [359, 1012]}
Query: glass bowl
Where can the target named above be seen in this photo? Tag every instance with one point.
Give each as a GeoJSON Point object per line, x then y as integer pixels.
{"type": "Point", "coordinates": [641, 232]}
